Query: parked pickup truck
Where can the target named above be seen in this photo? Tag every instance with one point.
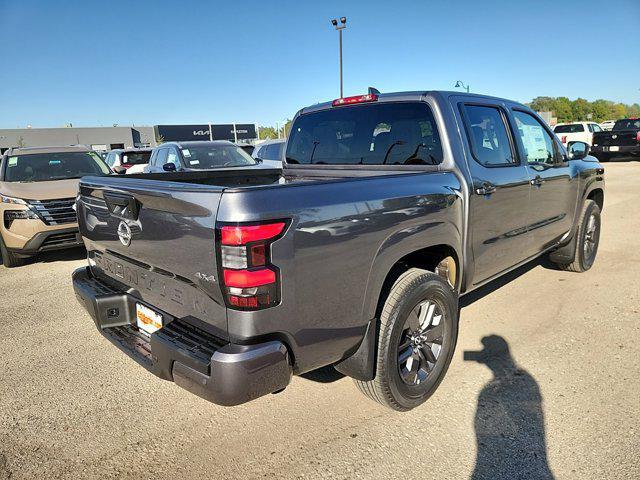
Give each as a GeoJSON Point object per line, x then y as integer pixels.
{"type": "Point", "coordinates": [388, 209]}
{"type": "Point", "coordinates": [622, 140]}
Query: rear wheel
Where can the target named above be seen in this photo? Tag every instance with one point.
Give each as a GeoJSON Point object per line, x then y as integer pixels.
{"type": "Point", "coordinates": [418, 332]}
{"type": "Point", "coordinates": [586, 240]}
{"type": "Point", "coordinates": [9, 259]}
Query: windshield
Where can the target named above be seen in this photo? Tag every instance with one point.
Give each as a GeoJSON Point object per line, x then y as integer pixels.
{"type": "Point", "coordinates": [216, 156]}
{"type": "Point", "coordinates": [627, 124]}
{"type": "Point", "coordinates": [573, 128]}
{"type": "Point", "coordinates": [42, 167]}
{"type": "Point", "coordinates": [368, 134]}
{"type": "Point", "coordinates": [135, 158]}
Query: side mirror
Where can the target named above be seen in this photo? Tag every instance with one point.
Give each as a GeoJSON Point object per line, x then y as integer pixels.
{"type": "Point", "coordinates": [258, 160]}
{"type": "Point", "coordinates": [577, 150]}
{"type": "Point", "coordinates": [169, 167]}
{"type": "Point", "coordinates": [120, 170]}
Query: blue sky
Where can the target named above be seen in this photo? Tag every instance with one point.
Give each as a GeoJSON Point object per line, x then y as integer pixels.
{"type": "Point", "coordinates": [99, 63]}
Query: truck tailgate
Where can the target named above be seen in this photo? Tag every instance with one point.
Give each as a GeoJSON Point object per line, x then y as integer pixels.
{"type": "Point", "coordinates": [615, 137]}
{"type": "Point", "coordinates": [157, 239]}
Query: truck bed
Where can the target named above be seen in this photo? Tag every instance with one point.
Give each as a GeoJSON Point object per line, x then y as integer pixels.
{"type": "Point", "coordinates": [341, 225]}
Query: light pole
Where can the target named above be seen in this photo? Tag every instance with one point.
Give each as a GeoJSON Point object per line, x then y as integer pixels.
{"type": "Point", "coordinates": [284, 126]}
{"type": "Point", "coordinates": [340, 27]}
{"type": "Point", "coordinates": [459, 84]}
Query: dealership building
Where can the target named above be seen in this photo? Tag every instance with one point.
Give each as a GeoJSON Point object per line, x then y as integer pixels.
{"type": "Point", "coordinates": [107, 138]}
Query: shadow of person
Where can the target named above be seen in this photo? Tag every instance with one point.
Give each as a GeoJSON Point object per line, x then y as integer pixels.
{"type": "Point", "coordinates": [509, 421]}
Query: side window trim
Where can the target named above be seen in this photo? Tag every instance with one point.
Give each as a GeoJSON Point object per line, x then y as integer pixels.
{"type": "Point", "coordinates": [558, 152]}
{"type": "Point", "coordinates": [160, 163]}
{"type": "Point", "coordinates": [179, 163]}
{"type": "Point", "coordinates": [504, 114]}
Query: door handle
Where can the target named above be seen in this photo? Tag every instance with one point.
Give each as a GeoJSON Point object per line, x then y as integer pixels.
{"type": "Point", "coordinates": [538, 181]}
{"type": "Point", "coordinates": [486, 189]}
{"type": "Point", "coordinates": [122, 206]}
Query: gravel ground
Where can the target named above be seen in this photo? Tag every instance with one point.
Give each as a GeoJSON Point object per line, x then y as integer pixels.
{"type": "Point", "coordinates": [559, 396]}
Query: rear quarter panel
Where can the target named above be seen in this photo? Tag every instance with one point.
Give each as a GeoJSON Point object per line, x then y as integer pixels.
{"type": "Point", "coordinates": [343, 239]}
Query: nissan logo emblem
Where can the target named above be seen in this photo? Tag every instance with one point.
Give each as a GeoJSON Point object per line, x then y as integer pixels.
{"type": "Point", "coordinates": [124, 234]}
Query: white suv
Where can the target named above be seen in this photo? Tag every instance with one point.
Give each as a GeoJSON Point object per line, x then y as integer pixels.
{"type": "Point", "coordinates": [607, 124]}
{"type": "Point", "coordinates": [132, 160]}
{"type": "Point", "coordinates": [576, 132]}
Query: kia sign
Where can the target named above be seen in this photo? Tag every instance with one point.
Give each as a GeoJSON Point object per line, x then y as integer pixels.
{"type": "Point", "coordinates": [183, 133]}
{"type": "Point", "coordinates": [175, 133]}
{"type": "Point", "coordinates": [245, 131]}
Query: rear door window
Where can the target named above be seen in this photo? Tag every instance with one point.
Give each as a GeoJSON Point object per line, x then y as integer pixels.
{"type": "Point", "coordinates": [273, 151]}
{"type": "Point", "coordinates": [369, 134]}
{"type": "Point", "coordinates": [488, 136]}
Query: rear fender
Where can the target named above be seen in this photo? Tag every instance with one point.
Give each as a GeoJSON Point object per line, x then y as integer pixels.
{"type": "Point", "coordinates": [361, 363]}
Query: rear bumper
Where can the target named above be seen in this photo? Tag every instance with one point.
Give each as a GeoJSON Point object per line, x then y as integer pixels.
{"type": "Point", "coordinates": [622, 150]}
{"type": "Point", "coordinates": [218, 371]}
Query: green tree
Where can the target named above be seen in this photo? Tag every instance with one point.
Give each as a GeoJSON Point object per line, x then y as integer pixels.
{"type": "Point", "coordinates": [600, 110]}
{"type": "Point", "coordinates": [581, 109]}
{"type": "Point", "coordinates": [268, 133]}
{"type": "Point", "coordinates": [562, 109]}
{"type": "Point", "coordinates": [618, 110]}
{"type": "Point", "coordinates": [542, 104]}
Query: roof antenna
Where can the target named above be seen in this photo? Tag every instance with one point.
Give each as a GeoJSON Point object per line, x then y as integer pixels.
{"type": "Point", "coordinates": [373, 91]}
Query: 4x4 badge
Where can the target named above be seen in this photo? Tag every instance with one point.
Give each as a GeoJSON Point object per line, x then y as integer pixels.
{"type": "Point", "coordinates": [124, 234]}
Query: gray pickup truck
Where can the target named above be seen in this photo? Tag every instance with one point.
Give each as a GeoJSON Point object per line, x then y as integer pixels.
{"type": "Point", "coordinates": [388, 209]}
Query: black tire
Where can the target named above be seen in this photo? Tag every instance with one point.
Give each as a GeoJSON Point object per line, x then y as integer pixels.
{"type": "Point", "coordinates": [584, 256]}
{"type": "Point", "coordinates": [9, 259]}
{"type": "Point", "coordinates": [415, 289]}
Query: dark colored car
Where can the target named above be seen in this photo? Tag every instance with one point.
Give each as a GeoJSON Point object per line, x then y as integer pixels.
{"type": "Point", "coordinates": [197, 156]}
{"type": "Point", "coordinates": [388, 209]}
{"type": "Point", "coordinates": [622, 140]}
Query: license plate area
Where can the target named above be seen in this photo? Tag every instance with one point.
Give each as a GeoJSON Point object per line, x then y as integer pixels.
{"type": "Point", "coordinates": [147, 320]}
{"type": "Point", "coordinates": [614, 149]}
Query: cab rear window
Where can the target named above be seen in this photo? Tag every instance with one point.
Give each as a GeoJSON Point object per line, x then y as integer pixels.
{"type": "Point", "coordinates": [573, 128]}
{"type": "Point", "coordinates": [371, 134]}
{"type": "Point", "coordinates": [136, 158]}
{"type": "Point", "coordinates": [627, 124]}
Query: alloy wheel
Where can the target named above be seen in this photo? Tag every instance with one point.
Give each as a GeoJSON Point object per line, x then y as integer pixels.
{"type": "Point", "coordinates": [420, 342]}
{"type": "Point", "coordinates": [590, 239]}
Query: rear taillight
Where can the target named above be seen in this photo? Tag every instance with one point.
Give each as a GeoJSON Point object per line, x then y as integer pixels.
{"type": "Point", "coordinates": [564, 139]}
{"type": "Point", "coordinates": [250, 280]}
{"type": "Point", "coordinates": [638, 137]}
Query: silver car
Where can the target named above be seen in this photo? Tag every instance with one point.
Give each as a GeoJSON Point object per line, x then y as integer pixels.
{"type": "Point", "coordinates": [271, 152]}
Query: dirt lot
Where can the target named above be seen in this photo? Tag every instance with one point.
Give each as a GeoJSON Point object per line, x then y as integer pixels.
{"type": "Point", "coordinates": [559, 397]}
